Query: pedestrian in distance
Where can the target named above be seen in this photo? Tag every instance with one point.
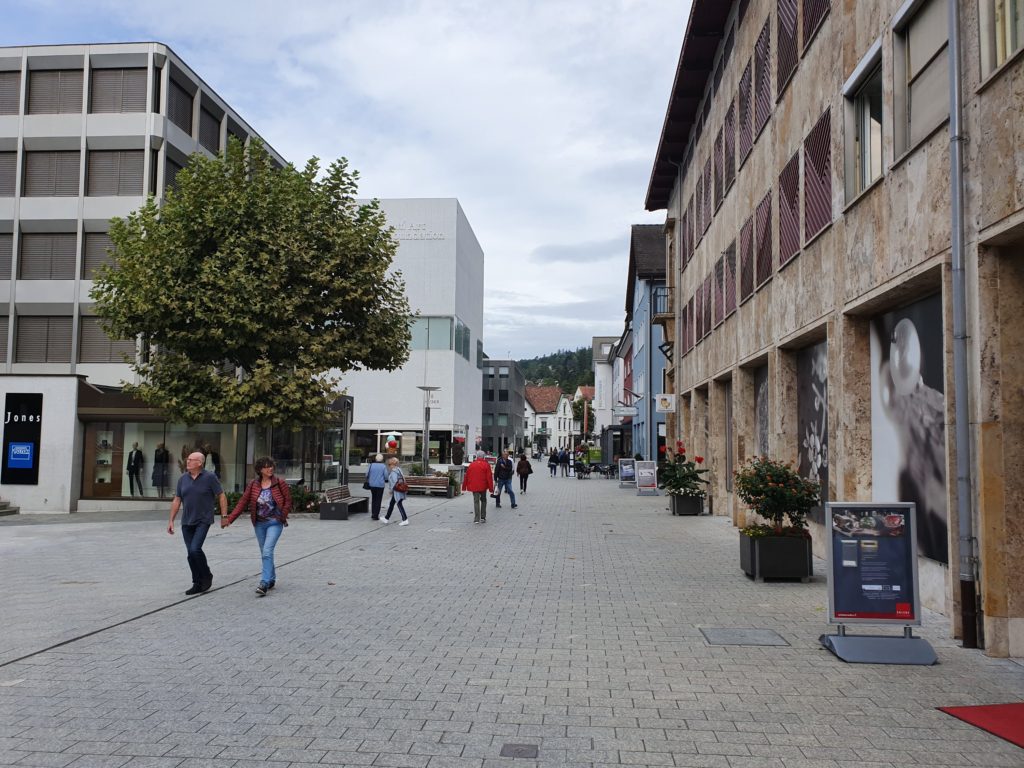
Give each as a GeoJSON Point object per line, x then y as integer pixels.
{"type": "Point", "coordinates": [524, 470]}
{"type": "Point", "coordinates": [197, 492]}
{"type": "Point", "coordinates": [480, 482]}
{"type": "Point", "coordinates": [504, 469]}
{"type": "Point", "coordinates": [268, 500]}
{"type": "Point", "coordinates": [398, 488]}
{"type": "Point", "coordinates": [376, 479]}
{"type": "Point", "coordinates": [553, 462]}
{"type": "Point", "coordinates": [563, 462]}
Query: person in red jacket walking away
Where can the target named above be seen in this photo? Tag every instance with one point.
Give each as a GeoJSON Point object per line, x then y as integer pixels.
{"type": "Point", "coordinates": [268, 501]}
{"type": "Point", "coordinates": [479, 481]}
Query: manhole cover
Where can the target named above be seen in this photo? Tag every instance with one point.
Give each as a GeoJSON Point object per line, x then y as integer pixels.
{"type": "Point", "coordinates": [740, 636]}
{"type": "Point", "coordinates": [519, 750]}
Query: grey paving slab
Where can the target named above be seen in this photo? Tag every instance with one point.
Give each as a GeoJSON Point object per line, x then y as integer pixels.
{"type": "Point", "coordinates": [575, 623]}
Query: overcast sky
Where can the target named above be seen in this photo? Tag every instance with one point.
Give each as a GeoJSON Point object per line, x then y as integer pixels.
{"type": "Point", "coordinates": [542, 117]}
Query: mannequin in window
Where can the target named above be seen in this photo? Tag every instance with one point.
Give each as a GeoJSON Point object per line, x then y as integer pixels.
{"type": "Point", "coordinates": [134, 467]}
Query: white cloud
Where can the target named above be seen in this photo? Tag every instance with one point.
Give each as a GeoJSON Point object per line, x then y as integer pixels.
{"type": "Point", "coordinates": [541, 116]}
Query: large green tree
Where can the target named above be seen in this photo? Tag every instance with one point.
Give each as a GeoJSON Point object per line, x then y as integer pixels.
{"type": "Point", "coordinates": [256, 286]}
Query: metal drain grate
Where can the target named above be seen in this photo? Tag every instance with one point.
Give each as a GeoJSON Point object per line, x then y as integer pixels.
{"type": "Point", "coordinates": [519, 750]}
{"type": "Point", "coordinates": [741, 636]}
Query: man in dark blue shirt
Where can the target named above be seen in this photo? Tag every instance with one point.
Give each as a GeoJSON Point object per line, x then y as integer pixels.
{"type": "Point", "coordinates": [197, 492]}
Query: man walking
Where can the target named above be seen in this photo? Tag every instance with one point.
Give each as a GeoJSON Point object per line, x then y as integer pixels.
{"type": "Point", "coordinates": [376, 479]}
{"type": "Point", "coordinates": [504, 469]}
{"type": "Point", "coordinates": [197, 491]}
{"type": "Point", "coordinates": [134, 468]}
{"type": "Point", "coordinates": [479, 482]}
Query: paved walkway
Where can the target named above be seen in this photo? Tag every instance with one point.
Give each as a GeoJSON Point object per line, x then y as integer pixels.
{"type": "Point", "coordinates": [572, 625]}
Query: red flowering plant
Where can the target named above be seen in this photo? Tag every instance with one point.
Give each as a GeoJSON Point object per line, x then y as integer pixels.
{"type": "Point", "coordinates": [776, 492]}
{"type": "Point", "coordinates": [681, 476]}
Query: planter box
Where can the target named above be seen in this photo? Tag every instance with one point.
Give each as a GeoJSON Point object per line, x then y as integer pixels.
{"type": "Point", "coordinates": [776, 557]}
{"type": "Point", "coordinates": [686, 505]}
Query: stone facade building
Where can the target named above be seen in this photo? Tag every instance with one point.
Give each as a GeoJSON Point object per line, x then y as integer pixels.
{"type": "Point", "coordinates": [808, 166]}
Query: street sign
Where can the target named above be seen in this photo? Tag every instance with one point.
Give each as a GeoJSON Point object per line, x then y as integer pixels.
{"type": "Point", "coordinates": [625, 410]}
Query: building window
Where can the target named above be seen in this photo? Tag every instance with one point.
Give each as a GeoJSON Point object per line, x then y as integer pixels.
{"type": "Point", "coordinates": [698, 309]}
{"type": "Point", "coordinates": [43, 340]}
{"type": "Point", "coordinates": [52, 174]}
{"type": "Point", "coordinates": [431, 332]}
{"type": "Point", "coordinates": [818, 177]}
{"type": "Point", "coordinates": [96, 347]}
{"type": "Point", "coordinates": [47, 256]}
{"type": "Point", "coordinates": [719, 162]}
{"type": "Point", "coordinates": [113, 173]}
{"type": "Point", "coordinates": [544, 424]}
{"type": "Point", "coordinates": [489, 395]}
{"type": "Point", "coordinates": [502, 419]}
{"type": "Point", "coordinates": [707, 194]}
{"type": "Point", "coordinates": [479, 353]}
{"type": "Point", "coordinates": [10, 92]}
{"type": "Point", "coordinates": [707, 303]}
{"type": "Point", "coordinates": [179, 107]}
{"type": "Point", "coordinates": [744, 113]}
{"type": "Point", "coordinates": [920, 78]}
{"type": "Point", "coordinates": [763, 240]}
{"type": "Point", "coordinates": [4, 325]}
{"type": "Point", "coordinates": [503, 372]}
{"type": "Point", "coordinates": [96, 252]}
{"type": "Point", "coordinates": [8, 171]}
{"type": "Point", "coordinates": [786, 43]}
{"type": "Point", "coordinates": [718, 286]}
{"type": "Point", "coordinates": [171, 170]}
{"type": "Point", "coordinates": [209, 130]}
{"type": "Point", "coordinates": [814, 13]}
{"type": "Point", "coordinates": [789, 210]}
{"type": "Point", "coordinates": [1002, 32]}
{"type": "Point", "coordinates": [729, 280]}
{"type": "Point", "coordinates": [118, 90]}
{"type": "Point", "coordinates": [747, 259]}
{"type": "Point", "coordinates": [53, 92]}
{"type": "Point", "coordinates": [488, 419]}
{"type": "Point", "coordinates": [729, 147]}
{"type": "Point", "coordinates": [503, 396]}
{"type": "Point", "coordinates": [863, 123]}
{"type": "Point", "coordinates": [763, 78]}
{"type": "Point", "coordinates": [6, 256]}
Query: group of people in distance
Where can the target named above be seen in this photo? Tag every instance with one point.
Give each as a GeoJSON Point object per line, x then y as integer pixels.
{"type": "Point", "coordinates": [481, 481]}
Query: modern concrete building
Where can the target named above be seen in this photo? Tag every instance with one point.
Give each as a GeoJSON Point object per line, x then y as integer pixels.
{"type": "Point", "coordinates": [87, 132]}
{"type": "Point", "coordinates": [504, 402]}
{"type": "Point", "coordinates": [443, 268]}
{"type": "Point", "coordinates": [845, 228]}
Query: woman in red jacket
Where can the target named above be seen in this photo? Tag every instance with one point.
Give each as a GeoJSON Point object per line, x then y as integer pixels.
{"type": "Point", "coordinates": [479, 481]}
{"type": "Point", "coordinates": [268, 501]}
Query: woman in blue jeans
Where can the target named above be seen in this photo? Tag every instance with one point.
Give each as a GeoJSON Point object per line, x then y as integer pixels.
{"type": "Point", "coordinates": [268, 501]}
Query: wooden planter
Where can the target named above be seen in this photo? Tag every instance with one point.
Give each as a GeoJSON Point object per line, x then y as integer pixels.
{"type": "Point", "coordinates": [776, 557]}
{"type": "Point", "coordinates": [686, 505]}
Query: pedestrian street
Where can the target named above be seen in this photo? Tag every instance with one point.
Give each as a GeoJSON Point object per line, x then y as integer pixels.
{"type": "Point", "coordinates": [572, 630]}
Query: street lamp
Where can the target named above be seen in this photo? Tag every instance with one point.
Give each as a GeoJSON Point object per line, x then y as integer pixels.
{"type": "Point", "coordinates": [426, 426]}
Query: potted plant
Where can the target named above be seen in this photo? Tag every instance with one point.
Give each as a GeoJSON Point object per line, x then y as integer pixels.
{"type": "Point", "coordinates": [780, 547]}
{"type": "Point", "coordinates": [681, 479]}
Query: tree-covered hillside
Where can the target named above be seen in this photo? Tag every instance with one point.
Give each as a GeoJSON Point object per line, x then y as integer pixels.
{"type": "Point", "coordinates": [566, 368]}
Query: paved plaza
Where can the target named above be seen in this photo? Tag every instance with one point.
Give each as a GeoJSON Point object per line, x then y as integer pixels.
{"type": "Point", "coordinates": [571, 626]}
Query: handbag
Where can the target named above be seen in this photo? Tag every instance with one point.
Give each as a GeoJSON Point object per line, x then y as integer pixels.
{"type": "Point", "coordinates": [402, 487]}
{"type": "Point", "coordinates": [366, 485]}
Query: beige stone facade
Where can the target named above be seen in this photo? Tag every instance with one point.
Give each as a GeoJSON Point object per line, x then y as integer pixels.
{"type": "Point", "coordinates": [881, 254]}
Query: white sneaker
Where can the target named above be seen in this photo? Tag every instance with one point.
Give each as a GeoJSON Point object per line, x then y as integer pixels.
{"type": "Point", "coordinates": [385, 520]}
{"type": "Point", "coordinates": [404, 522]}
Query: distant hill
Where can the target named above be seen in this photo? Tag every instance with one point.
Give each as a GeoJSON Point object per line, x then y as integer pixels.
{"type": "Point", "coordinates": [566, 368]}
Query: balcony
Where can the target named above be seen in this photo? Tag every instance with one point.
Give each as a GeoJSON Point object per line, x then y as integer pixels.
{"type": "Point", "coordinates": [661, 305]}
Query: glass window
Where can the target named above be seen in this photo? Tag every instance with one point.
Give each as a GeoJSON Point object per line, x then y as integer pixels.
{"type": "Point", "coordinates": [543, 423]}
{"type": "Point", "coordinates": [867, 133]}
{"type": "Point", "coordinates": [502, 419]}
{"type": "Point", "coordinates": [488, 420]}
{"type": "Point", "coordinates": [418, 329]}
{"type": "Point", "coordinates": [439, 333]}
{"type": "Point", "coordinates": [503, 396]}
{"type": "Point", "coordinates": [921, 84]}
{"type": "Point", "coordinates": [503, 372]}
{"type": "Point", "coordinates": [1002, 23]}
{"type": "Point", "coordinates": [489, 395]}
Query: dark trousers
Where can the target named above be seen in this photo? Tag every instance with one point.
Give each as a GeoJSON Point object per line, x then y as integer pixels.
{"type": "Point", "coordinates": [134, 481]}
{"type": "Point", "coordinates": [391, 508]}
{"type": "Point", "coordinates": [376, 496]}
{"type": "Point", "coordinates": [194, 536]}
{"type": "Point", "coordinates": [522, 482]}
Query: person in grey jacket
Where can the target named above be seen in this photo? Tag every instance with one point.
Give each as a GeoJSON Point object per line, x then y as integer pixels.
{"type": "Point", "coordinates": [376, 479]}
{"type": "Point", "coordinates": [397, 497]}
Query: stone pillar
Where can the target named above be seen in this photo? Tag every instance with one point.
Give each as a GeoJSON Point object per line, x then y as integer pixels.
{"type": "Point", "coordinates": [745, 443]}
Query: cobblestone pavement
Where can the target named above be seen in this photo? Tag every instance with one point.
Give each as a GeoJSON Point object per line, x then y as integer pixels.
{"type": "Point", "coordinates": [571, 624]}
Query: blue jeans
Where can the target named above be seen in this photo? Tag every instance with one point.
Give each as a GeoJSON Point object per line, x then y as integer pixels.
{"type": "Point", "coordinates": [506, 484]}
{"type": "Point", "coordinates": [194, 536]}
{"type": "Point", "coordinates": [267, 534]}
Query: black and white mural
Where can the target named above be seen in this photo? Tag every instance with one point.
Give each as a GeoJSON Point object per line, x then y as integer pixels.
{"type": "Point", "coordinates": [761, 410]}
{"type": "Point", "coordinates": [908, 432]}
{"type": "Point", "coordinates": [812, 418]}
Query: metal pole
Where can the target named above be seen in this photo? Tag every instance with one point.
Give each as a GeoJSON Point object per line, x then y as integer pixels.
{"type": "Point", "coordinates": [968, 592]}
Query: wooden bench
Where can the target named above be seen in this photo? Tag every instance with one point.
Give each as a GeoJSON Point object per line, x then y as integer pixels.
{"type": "Point", "coordinates": [428, 485]}
{"type": "Point", "coordinates": [340, 502]}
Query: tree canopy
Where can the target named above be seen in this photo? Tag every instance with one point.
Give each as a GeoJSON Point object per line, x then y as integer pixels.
{"type": "Point", "coordinates": [566, 368]}
{"type": "Point", "coordinates": [255, 287]}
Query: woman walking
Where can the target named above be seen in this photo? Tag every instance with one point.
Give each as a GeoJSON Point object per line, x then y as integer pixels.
{"type": "Point", "coordinates": [268, 501]}
{"type": "Point", "coordinates": [553, 462]}
{"type": "Point", "coordinates": [376, 479]}
{"type": "Point", "coordinates": [524, 470]}
{"type": "Point", "coordinates": [397, 486]}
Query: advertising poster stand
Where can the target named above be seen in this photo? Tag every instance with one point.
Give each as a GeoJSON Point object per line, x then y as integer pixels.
{"type": "Point", "coordinates": [647, 478]}
{"type": "Point", "coordinates": [627, 473]}
{"type": "Point", "coordinates": [872, 579]}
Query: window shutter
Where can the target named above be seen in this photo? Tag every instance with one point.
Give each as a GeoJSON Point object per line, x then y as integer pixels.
{"type": "Point", "coordinates": [30, 340]}
{"type": "Point", "coordinates": [745, 132]}
{"type": "Point", "coordinates": [698, 309]}
{"type": "Point", "coordinates": [814, 13]}
{"type": "Point", "coordinates": [789, 210]}
{"type": "Point", "coordinates": [5, 325]}
{"type": "Point", "coordinates": [747, 259]}
{"type": "Point", "coordinates": [707, 304]}
{"type": "Point", "coordinates": [729, 285]}
{"type": "Point", "coordinates": [763, 78]}
{"type": "Point", "coordinates": [719, 291]}
{"type": "Point", "coordinates": [729, 147]}
{"type": "Point", "coordinates": [36, 253]}
{"type": "Point", "coordinates": [96, 252]}
{"type": "Point", "coordinates": [39, 173]}
{"type": "Point", "coordinates": [67, 171]}
{"type": "Point", "coordinates": [171, 169]}
{"type": "Point", "coordinates": [102, 173]}
{"type": "Point", "coordinates": [179, 107]}
{"type": "Point", "coordinates": [6, 255]}
{"type": "Point", "coordinates": [691, 241]}
{"type": "Point", "coordinates": [70, 96]}
{"type": "Point", "coordinates": [62, 261]}
{"type": "Point", "coordinates": [8, 168]}
{"type": "Point", "coordinates": [129, 179]}
{"type": "Point", "coordinates": [209, 130]}
{"type": "Point", "coordinates": [700, 210]}
{"type": "Point", "coordinates": [10, 92]}
{"type": "Point", "coordinates": [719, 158]}
{"type": "Point", "coordinates": [43, 92]}
{"type": "Point", "coordinates": [786, 43]}
{"type": "Point", "coordinates": [818, 177]}
{"type": "Point", "coordinates": [707, 194]}
{"type": "Point", "coordinates": [105, 91]}
{"type": "Point", "coordinates": [763, 239]}
{"type": "Point", "coordinates": [58, 340]}
{"type": "Point", "coordinates": [133, 90]}
{"type": "Point", "coordinates": [96, 347]}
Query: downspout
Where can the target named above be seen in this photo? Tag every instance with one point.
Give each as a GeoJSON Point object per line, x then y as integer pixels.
{"type": "Point", "coordinates": [968, 589]}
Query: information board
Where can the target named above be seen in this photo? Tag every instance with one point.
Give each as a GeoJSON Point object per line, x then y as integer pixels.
{"type": "Point", "coordinates": [627, 472]}
{"type": "Point", "coordinates": [647, 478]}
{"type": "Point", "coordinates": [872, 563]}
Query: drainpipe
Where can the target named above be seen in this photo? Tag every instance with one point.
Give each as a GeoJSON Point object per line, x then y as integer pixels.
{"type": "Point", "coordinates": [968, 589]}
